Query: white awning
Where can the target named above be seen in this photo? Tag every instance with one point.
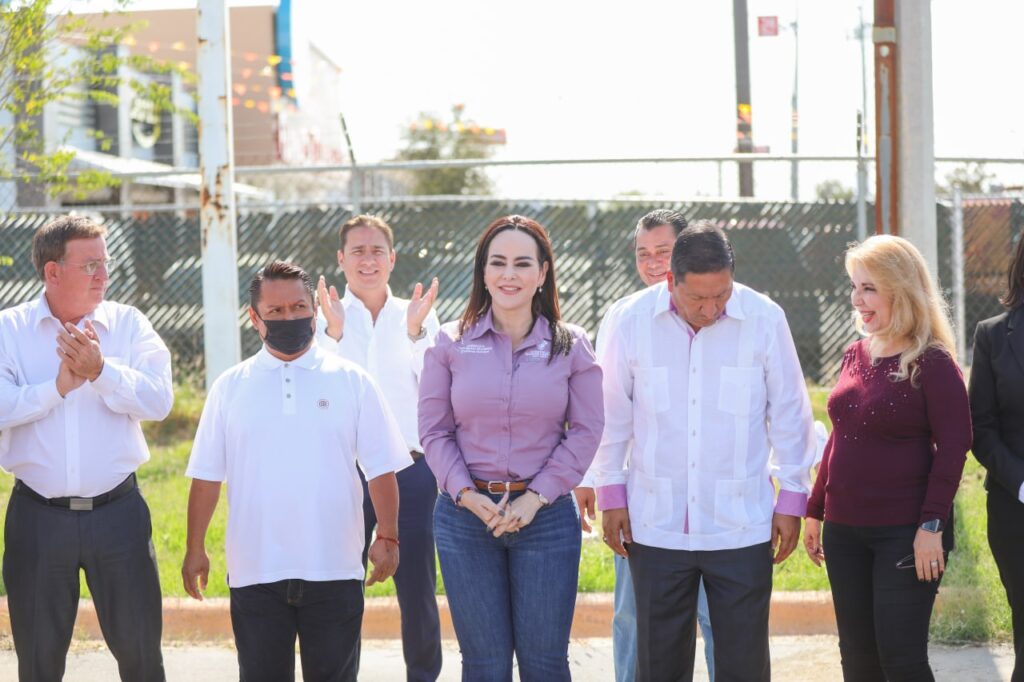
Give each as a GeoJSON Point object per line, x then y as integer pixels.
{"type": "Point", "coordinates": [141, 172]}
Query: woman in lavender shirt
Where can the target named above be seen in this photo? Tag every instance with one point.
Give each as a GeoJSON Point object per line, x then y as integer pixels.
{"type": "Point", "coordinates": [510, 417]}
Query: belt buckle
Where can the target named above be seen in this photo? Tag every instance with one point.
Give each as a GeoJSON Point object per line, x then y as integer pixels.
{"type": "Point", "coordinates": [80, 503]}
{"type": "Point", "coordinates": [503, 487]}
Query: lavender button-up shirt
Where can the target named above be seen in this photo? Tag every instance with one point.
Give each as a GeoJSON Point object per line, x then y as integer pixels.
{"type": "Point", "coordinates": [491, 413]}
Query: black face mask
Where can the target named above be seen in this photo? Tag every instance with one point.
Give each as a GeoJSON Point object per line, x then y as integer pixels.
{"type": "Point", "coordinates": [289, 336]}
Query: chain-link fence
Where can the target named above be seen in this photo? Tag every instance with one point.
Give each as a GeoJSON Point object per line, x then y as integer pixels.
{"type": "Point", "coordinates": [790, 251]}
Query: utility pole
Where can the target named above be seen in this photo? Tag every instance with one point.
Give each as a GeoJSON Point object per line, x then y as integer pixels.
{"type": "Point", "coordinates": [862, 132]}
{"type": "Point", "coordinates": [221, 339]}
{"type": "Point", "coordinates": [744, 113]}
{"type": "Point", "coordinates": [905, 179]}
{"type": "Point", "coordinates": [794, 166]}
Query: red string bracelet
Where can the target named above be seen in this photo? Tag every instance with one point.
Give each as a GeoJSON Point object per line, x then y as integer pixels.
{"type": "Point", "coordinates": [387, 539]}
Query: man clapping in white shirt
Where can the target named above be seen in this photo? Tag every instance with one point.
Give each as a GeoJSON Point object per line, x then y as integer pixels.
{"type": "Point", "coordinates": [77, 376]}
{"type": "Point", "coordinates": [388, 336]}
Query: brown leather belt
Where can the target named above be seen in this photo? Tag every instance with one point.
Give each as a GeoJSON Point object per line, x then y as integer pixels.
{"type": "Point", "coordinates": [498, 487]}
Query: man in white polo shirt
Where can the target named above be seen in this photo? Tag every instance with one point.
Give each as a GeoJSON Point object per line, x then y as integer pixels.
{"type": "Point", "coordinates": [387, 336]}
{"type": "Point", "coordinates": [286, 429]}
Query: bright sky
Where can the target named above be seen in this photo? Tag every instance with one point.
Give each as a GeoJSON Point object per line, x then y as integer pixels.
{"type": "Point", "coordinates": [588, 79]}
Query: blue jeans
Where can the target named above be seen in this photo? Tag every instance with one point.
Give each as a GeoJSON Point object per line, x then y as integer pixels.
{"type": "Point", "coordinates": [513, 594]}
{"type": "Point", "coordinates": [624, 625]}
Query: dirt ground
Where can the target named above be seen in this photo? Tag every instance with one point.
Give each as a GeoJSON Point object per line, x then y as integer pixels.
{"type": "Point", "coordinates": [795, 659]}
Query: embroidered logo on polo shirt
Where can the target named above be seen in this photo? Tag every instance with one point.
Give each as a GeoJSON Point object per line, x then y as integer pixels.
{"type": "Point", "coordinates": [323, 404]}
{"type": "Point", "coordinates": [474, 348]}
{"type": "Point", "coordinates": [541, 352]}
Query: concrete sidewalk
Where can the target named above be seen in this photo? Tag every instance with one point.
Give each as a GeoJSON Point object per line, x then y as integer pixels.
{"type": "Point", "coordinates": [794, 659]}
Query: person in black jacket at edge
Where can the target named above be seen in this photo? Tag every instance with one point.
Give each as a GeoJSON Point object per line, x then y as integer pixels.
{"type": "Point", "coordinates": [997, 409]}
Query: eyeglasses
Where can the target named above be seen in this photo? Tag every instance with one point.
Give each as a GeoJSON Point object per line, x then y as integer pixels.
{"type": "Point", "coordinates": [92, 266]}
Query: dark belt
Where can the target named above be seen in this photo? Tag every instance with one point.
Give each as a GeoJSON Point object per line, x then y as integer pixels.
{"type": "Point", "coordinates": [498, 487]}
{"type": "Point", "coordinates": [416, 454]}
{"type": "Point", "coordinates": [79, 503]}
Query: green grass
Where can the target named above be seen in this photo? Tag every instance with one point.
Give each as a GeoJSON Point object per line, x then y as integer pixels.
{"type": "Point", "coordinates": [972, 605]}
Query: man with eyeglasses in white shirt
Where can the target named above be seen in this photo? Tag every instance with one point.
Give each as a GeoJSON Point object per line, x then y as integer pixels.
{"type": "Point", "coordinates": [77, 376]}
{"type": "Point", "coordinates": [704, 391]}
{"type": "Point", "coordinates": [387, 336]}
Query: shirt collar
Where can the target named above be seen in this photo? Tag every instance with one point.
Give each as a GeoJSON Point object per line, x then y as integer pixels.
{"type": "Point", "coordinates": [540, 332]}
{"type": "Point", "coordinates": [733, 307]}
{"type": "Point", "coordinates": [42, 312]}
{"type": "Point", "coordinates": [351, 299]}
{"type": "Point", "coordinates": [311, 359]}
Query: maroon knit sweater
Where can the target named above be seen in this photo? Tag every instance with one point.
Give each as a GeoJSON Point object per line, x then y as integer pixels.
{"type": "Point", "coordinates": [897, 451]}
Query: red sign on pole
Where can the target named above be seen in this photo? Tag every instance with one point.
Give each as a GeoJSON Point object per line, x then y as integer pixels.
{"type": "Point", "coordinates": [767, 26]}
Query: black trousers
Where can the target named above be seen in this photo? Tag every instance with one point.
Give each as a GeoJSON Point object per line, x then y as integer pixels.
{"type": "Point", "coordinates": [882, 611]}
{"type": "Point", "coordinates": [739, 588]}
{"type": "Point", "coordinates": [1006, 539]}
{"type": "Point", "coordinates": [325, 615]}
{"type": "Point", "coordinates": [46, 547]}
{"type": "Point", "coordinates": [416, 578]}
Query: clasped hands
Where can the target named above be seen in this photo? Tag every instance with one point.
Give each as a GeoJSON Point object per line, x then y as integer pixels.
{"type": "Point", "coordinates": [503, 516]}
{"type": "Point", "coordinates": [80, 356]}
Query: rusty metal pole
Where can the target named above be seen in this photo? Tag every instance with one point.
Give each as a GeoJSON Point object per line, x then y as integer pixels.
{"type": "Point", "coordinates": [217, 197]}
{"type": "Point", "coordinates": [886, 120]}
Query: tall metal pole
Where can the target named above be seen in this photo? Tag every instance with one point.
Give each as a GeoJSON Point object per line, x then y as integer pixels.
{"type": "Point", "coordinates": [794, 177]}
{"type": "Point", "coordinates": [862, 182]}
{"type": "Point", "coordinates": [862, 134]}
{"type": "Point", "coordinates": [744, 113]}
{"type": "Point", "coordinates": [217, 197]}
{"type": "Point", "coordinates": [957, 262]}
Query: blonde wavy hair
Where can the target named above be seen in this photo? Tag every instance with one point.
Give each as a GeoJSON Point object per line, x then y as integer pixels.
{"type": "Point", "coordinates": [919, 313]}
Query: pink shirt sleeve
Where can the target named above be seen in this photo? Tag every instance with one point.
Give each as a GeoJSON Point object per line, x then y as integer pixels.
{"type": "Point", "coordinates": [570, 460]}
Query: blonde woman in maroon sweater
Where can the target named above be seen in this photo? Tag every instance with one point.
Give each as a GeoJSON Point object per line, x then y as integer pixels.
{"type": "Point", "coordinates": [901, 430]}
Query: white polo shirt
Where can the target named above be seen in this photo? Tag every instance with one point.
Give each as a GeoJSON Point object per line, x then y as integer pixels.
{"type": "Point", "coordinates": [286, 436]}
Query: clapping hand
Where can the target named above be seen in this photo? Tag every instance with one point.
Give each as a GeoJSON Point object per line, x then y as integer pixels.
{"type": "Point", "coordinates": [332, 308]}
{"type": "Point", "coordinates": [419, 307]}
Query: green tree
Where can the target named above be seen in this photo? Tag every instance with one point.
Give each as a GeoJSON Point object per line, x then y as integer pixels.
{"type": "Point", "coordinates": [47, 57]}
{"type": "Point", "coordinates": [429, 139]}
{"type": "Point", "coordinates": [973, 178]}
{"type": "Point", "coordinates": [833, 190]}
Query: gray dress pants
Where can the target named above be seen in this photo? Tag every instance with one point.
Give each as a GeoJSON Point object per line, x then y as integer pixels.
{"type": "Point", "coordinates": [46, 547]}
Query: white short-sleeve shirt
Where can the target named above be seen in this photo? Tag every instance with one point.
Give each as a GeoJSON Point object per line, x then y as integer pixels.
{"type": "Point", "coordinates": [287, 436]}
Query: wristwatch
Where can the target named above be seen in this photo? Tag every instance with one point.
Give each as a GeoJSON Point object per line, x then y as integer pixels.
{"type": "Point", "coordinates": [543, 500]}
{"type": "Point", "coordinates": [933, 526]}
{"type": "Point", "coordinates": [419, 337]}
